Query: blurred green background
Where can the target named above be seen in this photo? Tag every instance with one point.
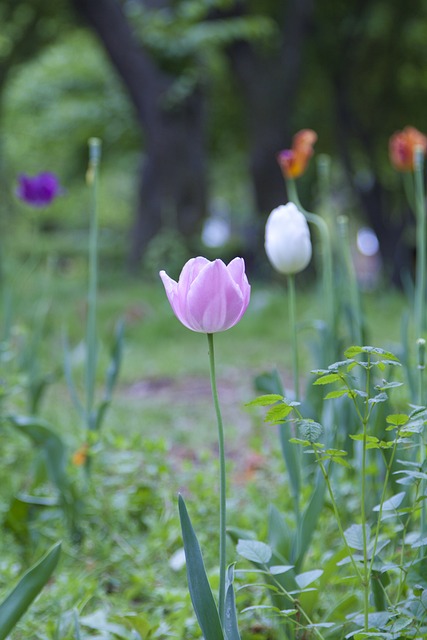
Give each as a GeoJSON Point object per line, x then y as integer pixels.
{"type": "Point", "coordinates": [192, 100]}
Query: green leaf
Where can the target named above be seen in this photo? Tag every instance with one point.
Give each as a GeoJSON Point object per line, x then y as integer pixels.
{"type": "Point", "coordinates": [354, 536]}
{"type": "Point", "coordinates": [254, 550]}
{"type": "Point", "coordinates": [309, 519]}
{"type": "Point", "coordinates": [278, 413]}
{"type": "Point", "coordinates": [338, 393]}
{"type": "Point", "coordinates": [309, 430]}
{"type": "Point", "coordinates": [45, 438]}
{"type": "Point", "coordinates": [200, 591]}
{"type": "Point", "coordinates": [377, 351]}
{"type": "Point", "coordinates": [230, 615]}
{"type": "Point", "coordinates": [278, 569]}
{"type": "Point", "coordinates": [280, 536]}
{"type": "Point", "coordinates": [291, 460]}
{"type": "Point", "coordinates": [397, 419]}
{"type": "Point", "coordinates": [30, 585]}
{"type": "Point", "coordinates": [380, 397]}
{"type": "Point", "coordinates": [306, 578]}
{"type": "Point", "coordinates": [328, 379]}
{"type": "Point", "coordinates": [264, 401]}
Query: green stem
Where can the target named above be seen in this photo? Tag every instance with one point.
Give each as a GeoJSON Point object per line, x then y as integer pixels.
{"type": "Point", "coordinates": [366, 565]}
{"type": "Point", "coordinates": [293, 323]}
{"type": "Point", "coordinates": [327, 268]}
{"type": "Point", "coordinates": [222, 490]}
{"type": "Point", "coordinates": [420, 283]}
{"type": "Point", "coordinates": [421, 343]}
{"type": "Point", "coordinates": [91, 337]}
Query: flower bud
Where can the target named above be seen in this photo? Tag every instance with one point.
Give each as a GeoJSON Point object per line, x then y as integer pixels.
{"type": "Point", "coordinates": [209, 296]}
{"type": "Point", "coordinates": [39, 190]}
{"type": "Point", "coordinates": [287, 239]}
{"type": "Point", "coordinates": [402, 148]}
{"type": "Point", "coordinates": [293, 162]}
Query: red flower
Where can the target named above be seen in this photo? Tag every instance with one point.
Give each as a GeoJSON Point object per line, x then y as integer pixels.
{"type": "Point", "coordinates": [293, 162]}
{"type": "Point", "coordinates": [402, 147]}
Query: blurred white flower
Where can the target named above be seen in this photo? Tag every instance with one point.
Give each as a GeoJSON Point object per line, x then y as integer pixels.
{"type": "Point", "coordinates": [287, 239]}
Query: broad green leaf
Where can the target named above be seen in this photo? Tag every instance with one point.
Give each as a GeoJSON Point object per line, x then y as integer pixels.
{"type": "Point", "coordinates": [255, 551]}
{"type": "Point", "coordinates": [309, 430]}
{"type": "Point", "coordinates": [231, 628]}
{"type": "Point", "coordinates": [200, 591]}
{"type": "Point", "coordinates": [292, 461]}
{"type": "Point", "coordinates": [265, 401]}
{"type": "Point", "coordinates": [397, 419]}
{"type": "Point", "coordinates": [30, 585]}
{"type": "Point", "coordinates": [306, 578]}
{"type": "Point", "coordinates": [278, 413]}
{"type": "Point", "coordinates": [354, 536]}
{"type": "Point", "coordinates": [309, 520]}
{"type": "Point", "coordinates": [280, 536]}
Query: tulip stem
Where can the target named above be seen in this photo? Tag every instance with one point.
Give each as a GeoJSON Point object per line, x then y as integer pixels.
{"type": "Point", "coordinates": [222, 491]}
{"type": "Point", "coordinates": [293, 323]}
{"type": "Point", "coordinates": [327, 268]}
{"type": "Point", "coordinates": [91, 355]}
{"type": "Point", "coordinates": [420, 213]}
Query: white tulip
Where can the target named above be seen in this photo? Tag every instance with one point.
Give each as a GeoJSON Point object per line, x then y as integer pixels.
{"type": "Point", "coordinates": [287, 239]}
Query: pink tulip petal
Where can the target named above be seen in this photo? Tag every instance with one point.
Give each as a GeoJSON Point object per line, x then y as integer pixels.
{"type": "Point", "coordinates": [214, 301]}
{"type": "Point", "coordinates": [172, 293]}
{"type": "Point", "coordinates": [189, 273]}
{"type": "Point", "coordinates": [237, 270]}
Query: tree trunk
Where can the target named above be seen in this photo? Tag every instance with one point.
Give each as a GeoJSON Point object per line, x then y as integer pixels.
{"type": "Point", "coordinates": [172, 175]}
{"type": "Point", "coordinates": [269, 77]}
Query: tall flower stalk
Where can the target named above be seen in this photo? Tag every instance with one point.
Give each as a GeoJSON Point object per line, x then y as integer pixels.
{"type": "Point", "coordinates": [91, 335]}
{"type": "Point", "coordinates": [326, 261]}
{"type": "Point", "coordinates": [222, 481]}
{"type": "Point", "coordinates": [210, 297]}
{"type": "Point", "coordinates": [420, 213]}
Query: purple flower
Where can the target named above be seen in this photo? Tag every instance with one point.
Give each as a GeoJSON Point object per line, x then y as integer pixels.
{"type": "Point", "coordinates": [209, 296]}
{"type": "Point", "coordinates": [39, 190]}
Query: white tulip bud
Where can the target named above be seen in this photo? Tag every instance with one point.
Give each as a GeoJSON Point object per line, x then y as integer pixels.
{"type": "Point", "coordinates": [287, 239]}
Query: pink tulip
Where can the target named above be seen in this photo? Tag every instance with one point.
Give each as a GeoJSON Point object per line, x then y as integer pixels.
{"type": "Point", "coordinates": [209, 296]}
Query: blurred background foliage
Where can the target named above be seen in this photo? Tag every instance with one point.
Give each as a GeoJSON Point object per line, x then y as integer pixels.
{"type": "Point", "coordinates": [192, 100]}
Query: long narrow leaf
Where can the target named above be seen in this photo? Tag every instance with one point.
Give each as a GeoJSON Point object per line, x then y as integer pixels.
{"type": "Point", "coordinates": [310, 519]}
{"type": "Point", "coordinates": [230, 618]}
{"type": "Point", "coordinates": [70, 381]}
{"type": "Point", "coordinates": [44, 437]}
{"type": "Point", "coordinates": [200, 591]}
{"type": "Point", "coordinates": [30, 585]}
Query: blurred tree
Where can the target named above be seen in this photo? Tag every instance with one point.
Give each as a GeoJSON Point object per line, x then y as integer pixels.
{"type": "Point", "coordinates": [161, 50]}
{"type": "Point", "coordinates": [369, 58]}
{"type": "Point", "coordinates": [26, 28]}
{"type": "Point", "coordinates": [268, 75]}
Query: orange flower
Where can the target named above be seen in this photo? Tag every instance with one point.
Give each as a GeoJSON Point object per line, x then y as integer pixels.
{"type": "Point", "coordinates": [293, 162]}
{"type": "Point", "coordinates": [402, 146]}
{"type": "Point", "coordinates": [80, 456]}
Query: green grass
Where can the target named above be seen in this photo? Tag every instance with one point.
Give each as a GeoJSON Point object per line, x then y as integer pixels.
{"type": "Point", "coordinates": [159, 439]}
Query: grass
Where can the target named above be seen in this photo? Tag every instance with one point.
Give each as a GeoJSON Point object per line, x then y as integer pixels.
{"type": "Point", "coordinates": [159, 439]}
